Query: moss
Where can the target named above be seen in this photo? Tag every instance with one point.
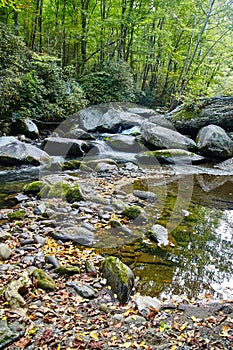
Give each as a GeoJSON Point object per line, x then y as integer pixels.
{"type": "Point", "coordinates": [67, 270]}
{"type": "Point", "coordinates": [33, 187]}
{"type": "Point", "coordinates": [73, 194]}
{"type": "Point", "coordinates": [132, 212]}
{"type": "Point", "coordinates": [17, 215]}
{"type": "Point", "coordinates": [71, 165]}
{"type": "Point", "coordinates": [44, 191]}
{"type": "Point", "coordinates": [187, 113]}
{"type": "Point", "coordinates": [44, 281]}
{"type": "Point", "coordinates": [58, 190]}
{"type": "Point", "coordinates": [115, 223]}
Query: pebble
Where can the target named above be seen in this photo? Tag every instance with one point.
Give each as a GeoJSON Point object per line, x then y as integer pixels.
{"type": "Point", "coordinates": [5, 251]}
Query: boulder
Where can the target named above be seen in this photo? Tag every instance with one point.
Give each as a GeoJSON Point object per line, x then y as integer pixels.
{"type": "Point", "coordinates": [13, 151]}
{"type": "Point", "coordinates": [133, 211]}
{"type": "Point", "coordinates": [112, 117]}
{"type": "Point", "coordinates": [124, 143]}
{"type": "Point", "coordinates": [78, 235]}
{"type": "Point", "coordinates": [213, 141]}
{"type": "Point", "coordinates": [190, 119]}
{"type": "Point", "coordinates": [161, 121]}
{"type": "Point", "coordinates": [79, 134]}
{"type": "Point", "coordinates": [119, 276]}
{"type": "Point", "coordinates": [59, 146]}
{"type": "Point", "coordinates": [25, 127]}
{"type": "Point", "coordinates": [169, 156]}
{"type": "Point", "coordinates": [159, 137]}
{"type": "Point", "coordinates": [159, 234]}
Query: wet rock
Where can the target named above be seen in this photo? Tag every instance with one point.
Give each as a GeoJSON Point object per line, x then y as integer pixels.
{"type": "Point", "coordinates": [5, 251]}
{"type": "Point", "coordinates": [13, 151]}
{"type": "Point", "coordinates": [82, 289]}
{"type": "Point", "coordinates": [123, 143]}
{"type": "Point", "coordinates": [71, 164]}
{"type": "Point", "coordinates": [119, 276]}
{"type": "Point", "coordinates": [58, 146]}
{"type": "Point", "coordinates": [79, 235]}
{"type": "Point", "coordinates": [26, 127]}
{"type": "Point", "coordinates": [169, 156]}
{"type": "Point", "coordinates": [145, 303]}
{"type": "Point", "coordinates": [44, 281]}
{"type": "Point", "coordinates": [213, 141]}
{"type": "Point", "coordinates": [148, 196]}
{"type": "Point", "coordinates": [133, 212]}
{"type": "Point", "coordinates": [160, 138]}
{"type": "Point", "coordinates": [159, 234]}
{"type": "Point", "coordinates": [67, 270]}
{"type": "Point", "coordinates": [51, 259]}
{"type": "Point", "coordinates": [10, 332]}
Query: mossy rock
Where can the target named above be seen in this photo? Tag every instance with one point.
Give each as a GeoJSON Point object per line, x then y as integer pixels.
{"type": "Point", "coordinates": [71, 165]}
{"type": "Point", "coordinates": [115, 223]}
{"type": "Point", "coordinates": [44, 281]}
{"type": "Point", "coordinates": [74, 194]}
{"type": "Point", "coordinates": [133, 211]}
{"type": "Point", "coordinates": [44, 191]}
{"type": "Point", "coordinates": [67, 270]}
{"type": "Point", "coordinates": [33, 188]}
{"type": "Point", "coordinates": [119, 276]}
{"type": "Point", "coordinates": [58, 190]}
{"type": "Point", "coordinates": [17, 215]}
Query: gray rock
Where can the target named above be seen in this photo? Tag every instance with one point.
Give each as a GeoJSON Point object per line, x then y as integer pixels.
{"type": "Point", "coordinates": [161, 137]}
{"type": "Point", "coordinates": [135, 319]}
{"type": "Point", "coordinates": [13, 151]}
{"type": "Point", "coordinates": [39, 240]}
{"type": "Point", "coordinates": [213, 141]}
{"type": "Point", "coordinates": [145, 303]}
{"type": "Point", "coordinates": [10, 333]}
{"type": "Point", "coordinates": [26, 127]}
{"type": "Point", "coordinates": [148, 196]}
{"type": "Point", "coordinates": [161, 121]}
{"type": "Point", "coordinates": [119, 276]}
{"type": "Point", "coordinates": [159, 234]}
{"type": "Point", "coordinates": [82, 289]}
{"type": "Point", "coordinates": [217, 110]}
{"type": "Point", "coordinates": [77, 133]}
{"type": "Point", "coordinates": [5, 251]}
{"type": "Point", "coordinates": [104, 167]}
{"type": "Point", "coordinates": [169, 156]}
{"type": "Point", "coordinates": [59, 146]}
{"type": "Point", "coordinates": [124, 143]}
{"type": "Point", "coordinates": [78, 235]}
{"type": "Point", "coordinates": [51, 259]}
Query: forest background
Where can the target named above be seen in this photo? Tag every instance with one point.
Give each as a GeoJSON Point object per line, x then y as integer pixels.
{"type": "Point", "coordinates": [58, 56]}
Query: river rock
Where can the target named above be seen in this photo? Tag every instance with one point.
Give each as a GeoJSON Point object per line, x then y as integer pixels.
{"type": "Point", "coordinates": [5, 251]}
{"type": "Point", "coordinates": [78, 235]}
{"type": "Point", "coordinates": [133, 211]}
{"type": "Point", "coordinates": [145, 303]}
{"type": "Point", "coordinates": [161, 121]}
{"type": "Point", "coordinates": [104, 167]}
{"type": "Point", "coordinates": [26, 127]}
{"type": "Point", "coordinates": [119, 276]}
{"type": "Point", "coordinates": [169, 156]}
{"type": "Point", "coordinates": [77, 133]}
{"type": "Point", "coordinates": [82, 289]}
{"type": "Point", "coordinates": [159, 137]}
{"type": "Point", "coordinates": [110, 117]}
{"type": "Point", "coordinates": [10, 332]}
{"type": "Point", "coordinates": [123, 143]}
{"type": "Point", "coordinates": [59, 146]}
{"type": "Point", "coordinates": [13, 151]}
{"type": "Point", "coordinates": [44, 281]}
{"type": "Point", "coordinates": [190, 119]}
{"type": "Point", "coordinates": [159, 234]}
{"type": "Point", "coordinates": [146, 195]}
{"type": "Point", "coordinates": [213, 141]}
{"type": "Point", "coordinates": [4, 235]}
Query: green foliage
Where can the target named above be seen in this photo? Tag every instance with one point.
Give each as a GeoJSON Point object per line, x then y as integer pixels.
{"type": "Point", "coordinates": [32, 85]}
{"type": "Point", "coordinates": [109, 82]}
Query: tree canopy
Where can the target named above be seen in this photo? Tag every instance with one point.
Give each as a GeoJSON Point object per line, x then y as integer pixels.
{"type": "Point", "coordinates": [175, 49]}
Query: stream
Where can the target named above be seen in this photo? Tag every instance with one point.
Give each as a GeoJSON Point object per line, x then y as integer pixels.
{"type": "Point", "coordinates": [195, 203]}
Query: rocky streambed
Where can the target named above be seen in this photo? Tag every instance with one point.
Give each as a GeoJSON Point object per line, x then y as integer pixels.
{"type": "Point", "coordinates": [164, 216]}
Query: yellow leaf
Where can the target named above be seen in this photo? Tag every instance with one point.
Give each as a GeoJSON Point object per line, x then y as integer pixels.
{"type": "Point", "coordinates": [174, 347]}
{"type": "Point", "coordinates": [126, 345]}
{"type": "Point", "coordinates": [193, 318]}
{"type": "Point", "coordinates": [94, 335]}
{"type": "Point", "coordinates": [183, 326]}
